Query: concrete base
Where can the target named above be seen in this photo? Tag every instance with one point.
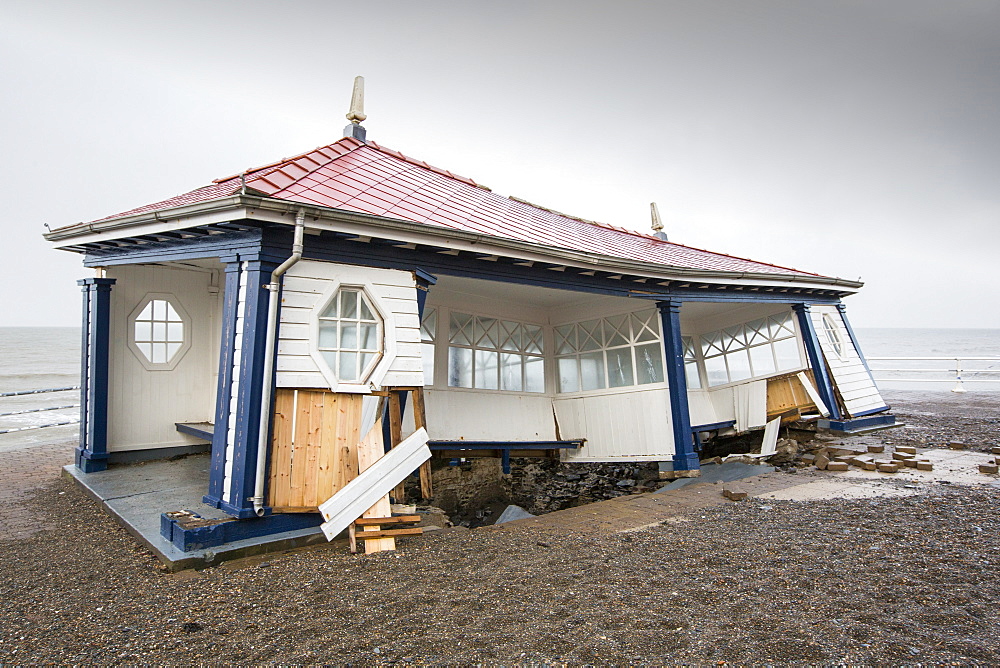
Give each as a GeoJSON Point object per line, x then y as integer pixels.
{"type": "Point", "coordinates": [136, 497]}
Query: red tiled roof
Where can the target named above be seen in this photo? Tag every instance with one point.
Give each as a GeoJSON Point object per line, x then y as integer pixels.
{"type": "Point", "coordinates": [371, 179]}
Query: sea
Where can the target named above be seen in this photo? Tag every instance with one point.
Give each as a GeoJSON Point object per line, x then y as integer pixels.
{"type": "Point", "coordinates": [33, 358]}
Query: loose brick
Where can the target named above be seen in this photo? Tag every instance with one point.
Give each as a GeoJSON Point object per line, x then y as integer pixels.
{"type": "Point", "coordinates": [995, 450]}
{"type": "Point", "coordinates": [925, 466]}
{"type": "Point", "coordinates": [988, 468]}
{"type": "Point", "coordinates": [734, 493]}
{"type": "Point", "coordinates": [837, 466]}
{"type": "Point", "coordinates": [876, 448]}
{"type": "Point", "coordinates": [869, 466]}
{"type": "Point", "coordinates": [888, 468]}
{"type": "Point", "coordinates": [822, 462]}
{"type": "Point", "coordinates": [902, 456]}
{"type": "Point", "coordinates": [911, 463]}
{"type": "Point", "coordinates": [908, 449]}
{"type": "Point", "coordinates": [957, 446]}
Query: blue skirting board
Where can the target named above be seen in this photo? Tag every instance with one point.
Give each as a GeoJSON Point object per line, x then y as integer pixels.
{"type": "Point", "coordinates": [859, 424]}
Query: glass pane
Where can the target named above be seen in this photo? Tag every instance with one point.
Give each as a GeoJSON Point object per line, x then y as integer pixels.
{"type": "Point", "coordinates": [143, 331]}
{"type": "Point", "coordinates": [172, 315]}
{"type": "Point", "coordinates": [461, 329]}
{"type": "Point", "coordinates": [787, 353]}
{"type": "Point", "coordinates": [459, 367]}
{"type": "Point", "coordinates": [710, 344]}
{"type": "Point", "coordinates": [428, 328]}
{"type": "Point", "coordinates": [762, 360]}
{"type": "Point", "coordinates": [715, 369]}
{"type": "Point", "coordinates": [366, 362]}
{"type": "Point", "coordinates": [348, 366]}
{"type": "Point", "coordinates": [486, 370]}
{"type": "Point", "coordinates": [348, 336]}
{"type": "Point", "coordinates": [645, 326]}
{"type": "Point", "coordinates": [159, 353]}
{"type": "Point", "coordinates": [649, 360]}
{"type": "Point", "coordinates": [569, 375]}
{"type": "Point", "coordinates": [510, 372]}
{"type": "Point", "coordinates": [366, 312]}
{"type": "Point", "coordinates": [349, 303]}
{"type": "Point", "coordinates": [688, 347]}
{"type": "Point", "coordinates": [733, 338]}
{"type": "Point", "coordinates": [331, 359]}
{"type": "Point", "coordinates": [146, 349]}
{"type": "Point", "coordinates": [566, 339]}
{"type": "Point", "coordinates": [175, 331]}
{"type": "Point", "coordinates": [486, 333]}
{"type": "Point", "coordinates": [159, 331]}
{"type": "Point", "coordinates": [327, 334]}
{"type": "Point", "coordinates": [739, 365]}
{"type": "Point", "coordinates": [172, 349]}
{"type": "Point", "coordinates": [534, 374]}
{"type": "Point", "coordinates": [592, 371]}
{"type": "Point", "coordinates": [510, 335]}
{"type": "Point", "coordinates": [590, 335]}
{"type": "Point", "coordinates": [532, 339]}
{"type": "Point", "coordinates": [159, 309]}
{"type": "Point", "coordinates": [620, 367]}
{"type": "Point", "coordinates": [617, 331]}
{"type": "Point", "coordinates": [691, 372]}
{"type": "Point", "coordinates": [147, 312]}
{"type": "Point", "coordinates": [757, 332]}
{"type": "Point", "coordinates": [427, 353]}
{"type": "Point", "coordinates": [368, 333]}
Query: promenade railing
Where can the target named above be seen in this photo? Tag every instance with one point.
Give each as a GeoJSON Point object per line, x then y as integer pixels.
{"type": "Point", "coordinates": [21, 393]}
{"type": "Point", "coordinates": [957, 370]}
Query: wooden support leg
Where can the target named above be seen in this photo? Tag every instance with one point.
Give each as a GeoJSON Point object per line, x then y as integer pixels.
{"type": "Point", "coordinates": [395, 436]}
{"type": "Point", "coordinates": [420, 420]}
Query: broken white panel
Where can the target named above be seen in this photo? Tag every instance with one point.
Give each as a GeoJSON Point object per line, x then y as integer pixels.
{"type": "Point", "coordinates": [770, 444]}
{"type": "Point", "coordinates": [750, 402]}
{"type": "Point", "coordinates": [372, 484]}
{"type": "Point", "coordinates": [854, 381]}
{"type": "Point", "coordinates": [813, 393]}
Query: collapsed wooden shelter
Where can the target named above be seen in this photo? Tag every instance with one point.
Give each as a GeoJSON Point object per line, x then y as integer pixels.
{"type": "Point", "coordinates": [276, 315]}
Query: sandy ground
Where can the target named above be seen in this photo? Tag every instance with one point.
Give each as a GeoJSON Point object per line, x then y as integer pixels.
{"type": "Point", "coordinates": [900, 579]}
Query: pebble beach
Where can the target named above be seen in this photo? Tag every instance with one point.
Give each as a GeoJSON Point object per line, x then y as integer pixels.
{"type": "Point", "coordinates": [900, 579]}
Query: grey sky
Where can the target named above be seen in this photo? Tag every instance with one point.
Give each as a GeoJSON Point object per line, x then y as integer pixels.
{"type": "Point", "coordinates": [847, 138]}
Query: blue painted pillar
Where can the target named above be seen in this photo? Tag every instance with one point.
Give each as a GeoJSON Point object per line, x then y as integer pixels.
{"type": "Point", "coordinates": [252, 330]}
{"type": "Point", "coordinates": [223, 393]}
{"type": "Point", "coordinates": [685, 457]}
{"type": "Point", "coordinates": [92, 452]}
{"type": "Point", "coordinates": [824, 385]}
{"type": "Point", "coordinates": [424, 282]}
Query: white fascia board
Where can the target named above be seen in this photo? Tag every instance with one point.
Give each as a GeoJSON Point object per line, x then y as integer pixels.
{"type": "Point", "coordinates": [247, 207]}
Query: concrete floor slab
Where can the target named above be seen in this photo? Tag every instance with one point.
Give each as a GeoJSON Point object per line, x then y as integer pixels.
{"type": "Point", "coordinates": [137, 495]}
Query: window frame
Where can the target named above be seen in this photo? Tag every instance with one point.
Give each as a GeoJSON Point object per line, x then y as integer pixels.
{"type": "Point", "coordinates": [604, 349]}
{"type": "Point", "coordinates": [444, 334]}
{"type": "Point", "coordinates": [703, 359]}
{"type": "Point", "coordinates": [386, 335]}
{"type": "Point", "coordinates": [188, 335]}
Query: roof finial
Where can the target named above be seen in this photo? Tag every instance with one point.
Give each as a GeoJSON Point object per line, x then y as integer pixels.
{"type": "Point", "coordinates": [357, 112]}
{"type": "Point", "coordinates": [657, 223]}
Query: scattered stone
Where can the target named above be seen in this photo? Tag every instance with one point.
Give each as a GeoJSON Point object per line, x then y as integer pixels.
{"type": "Point", "coordinates": [837, 466]}
{"type": "Point", "coordinates": [908, 449]}
{"type": "Point", "coordinates": [191, 627]}
{"type": "Point", "coordinates": [925, 466]}
{"type": "Point", "coordinates": [822, 461]}
{"type": "Point", "coordinates": [956, 446]}
{"type": "Point", "coordinates": [910, 463]}
{"type": "Point", "coordinates": [988, 468]}
{"type": "Point", "coordinates": [901, 456]}
{"type": "Point", "coordinates": [888, 468]}
{"type": "Point", "coordinates": [995, 450]}
{"type": "Point", "coordinates": [868, 465]}
{"type": "Point", "coordinates": [734, 493]}
{"type": "Point", "coordinates": [876, 448]}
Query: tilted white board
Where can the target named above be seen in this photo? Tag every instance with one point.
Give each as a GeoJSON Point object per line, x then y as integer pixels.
{"type": "Point", "coordinates": [813, 394]}
{"type": "Point", "coordinates": [373, 483]}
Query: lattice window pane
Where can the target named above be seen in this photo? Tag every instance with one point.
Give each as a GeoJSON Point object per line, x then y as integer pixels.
{"type": "Point", "coordinates": [461, 329]}
{"type": "Point", "coordinates": [428, 326]}
{"type": "Point", "coordinates": [459, 367]}
{"type": "Point", "coordinates": [510, 335]}
{"type": "Point", "coordinates": [620, 367]}
{"type": "Point", "coordinates": [158, 331]}
{"type": "Point", "coordinates": [786, 352]}
{"type": "Point", "coordinates": [592, 371]}
{"type": "Point", "coordinates": [691, 373]}
{"type": "Point", "coordinates": [762, 359]}
{"type": "Point", "coordinates": [739, 365]}
{"type": "Point", "coordinates": [533, 339]}
{"type": "Point", "coordinates": [511, 372]}
{"type": "Point", "coordinates": [646, 326]}
{"type": "Point", "coordinates": [590, 334]}
{"type": "Point", "coordinates": [486, 370]}
{"type": "Point", "coordinates": [534, 374]}
{"type": "Point", "coordinates": [349, 336]}
{"type": "Point", "coordinates": [649, 363]}
{"type": "Point", "coordinates": [616, 330]}
{"type": "Point", "coordinates": [569, 375]}
{"type": "Point", "coordinates": [566, 339]}
{"type": "Point", "coordinates": [715, 369]}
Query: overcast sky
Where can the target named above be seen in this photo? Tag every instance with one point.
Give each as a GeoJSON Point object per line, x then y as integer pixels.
{"type": "Point", "coordinates": [853, 139]}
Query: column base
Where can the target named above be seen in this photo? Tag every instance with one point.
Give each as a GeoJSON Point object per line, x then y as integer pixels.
{"type": "Point", "coordinates": [91, 462]}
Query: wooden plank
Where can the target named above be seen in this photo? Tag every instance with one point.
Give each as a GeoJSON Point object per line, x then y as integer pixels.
{"type": "Point", "coordinates": [281, 448]}
{"type": "Point", "coordinates": [313, 446]}
{"type": "Point", "coordinates": [370, 450]}
{"type": "Point", "coordinates": [395, 436]}
{"type": "Point", "coordinates": [398, 519]}
{"type": "Point", "coordinates": [377, 536]}
{"type": "Point", "coordinates": [329, 450]}
{"type": "Point", "coordinates": [420, 420]}
{"type": "Point", "coordinates": [296, 484]}
{"type": "Point", "coordinates": [293, 509]}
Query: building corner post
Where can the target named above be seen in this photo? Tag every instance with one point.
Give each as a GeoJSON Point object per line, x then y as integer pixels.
{"type": "Point", "coordinates": [685, 457]}
{"type": "Point", "coordinates": [824, 384]}
{"type": "Point", "coordinates": [92, 451]}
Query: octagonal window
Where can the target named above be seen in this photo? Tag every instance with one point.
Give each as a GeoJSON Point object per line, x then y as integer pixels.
{"type": "Point", "coordinates": [350, 335]}
{"type": "Point", "coordinates": [158, 332]}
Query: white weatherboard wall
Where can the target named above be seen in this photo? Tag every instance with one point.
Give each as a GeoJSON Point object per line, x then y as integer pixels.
{"type": "Point", "coordinates": [629, 425]}
{"type": "Point", "coordinates": [144, 404]}
{"type": "Point", "coordinates": [855, 383]}
{"type": "Point", "coordinates": [454, 414]}
{"type": "Point", "coordinates": [307, 288]}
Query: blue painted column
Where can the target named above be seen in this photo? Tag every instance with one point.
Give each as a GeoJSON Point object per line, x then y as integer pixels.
{"type": "Point", "coordinates": [685, 457]}
{"type": "Point", "coordinates": [255, 274]}
{"type": "Point", "coordinates": [223, 394]}
{"type": "Point", "coordinates": [92, 452]}
{"type": "Point", "coordinates": [824, 385]}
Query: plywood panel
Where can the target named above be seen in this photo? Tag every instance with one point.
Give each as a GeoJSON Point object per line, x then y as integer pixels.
{"type": "Point", "coordinates": [786, 393]}
{"type": "Point", "coordinates": [314, 447]}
